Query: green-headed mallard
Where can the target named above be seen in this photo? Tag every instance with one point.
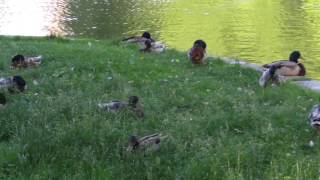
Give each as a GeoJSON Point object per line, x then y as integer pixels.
{"type": "Point", "coordinates": [118, 106]}
{"type": "Point", "coordinates": [19, 61]}
{"type": "Point", "coordinates": [291, 67]}
{"type": "Point", "coordinates": [197, 54]}
{"type": "Point", "coordinates": [146, 143]}
{"type": "Point", "coordinates": [11, 83]}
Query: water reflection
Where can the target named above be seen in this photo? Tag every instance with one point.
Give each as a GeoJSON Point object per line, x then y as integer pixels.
{"type": "Point", "coordinates": [31, 17]}
{"type": "Point", "coordinates": [257, 30]}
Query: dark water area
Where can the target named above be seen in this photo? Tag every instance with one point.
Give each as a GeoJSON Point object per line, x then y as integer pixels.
{"type": "Point", "coordinates": [259, 31]}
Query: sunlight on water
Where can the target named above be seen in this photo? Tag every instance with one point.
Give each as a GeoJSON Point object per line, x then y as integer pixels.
{"type": "Point", "coordinates": [260, 31]}
{"type": "Point", "coordinates": [30, 17]}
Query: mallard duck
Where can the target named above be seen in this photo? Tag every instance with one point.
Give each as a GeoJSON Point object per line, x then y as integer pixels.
{"type": "Point", "coordinates": [139, 39]}
{"type": "Point", "coordinates": [197, 54]}
{"type": "Point", "coordinates": [314, 117]}
{"type": "Point", "coordinates": [291, 67]}
{"type": "Point", "coordinates": [11, 83]}
{"type": "Point", "coordinates": [3, 100]}
{"type": "Point", "coordinates": [150, 46]}
{"type": "Point", "coordinates": [146, 143]}
{"type": "Point", "coordinates": [19, 61]}
{"type": "Point", "coordinates": [117, 106]}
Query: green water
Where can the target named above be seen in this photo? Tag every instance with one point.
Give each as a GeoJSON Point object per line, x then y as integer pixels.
{"type": "Point", "coordinates": [259, 31]}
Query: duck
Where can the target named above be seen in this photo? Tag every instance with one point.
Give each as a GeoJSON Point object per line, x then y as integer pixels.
{"type": "Point", "coordinates": [20, 61]}
{"type": "Point", "coordinates": [12, 83]}
{"type": "Point", "coordinates": [275, 70]}
{"type": "Point", "coordinates": [156, 47]}
{"type": "Point", "coordinates": [146, 143]}
{"type": "Point", "coordinates": [118, 106]}
{"type": "Point", "coordinates": [3, 100]}
{"type": "Point", "coordinates": [139, 39]}
{"type": "Point", "coordinates": [314, 117]}
{"type": "Point", "coordinates": [197, 54]}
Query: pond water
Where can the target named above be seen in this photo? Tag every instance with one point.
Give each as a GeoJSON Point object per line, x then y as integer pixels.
{"type": "Point", "coordinates": [259, 31]}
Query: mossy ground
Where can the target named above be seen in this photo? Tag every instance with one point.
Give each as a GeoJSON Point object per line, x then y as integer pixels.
{"type": "Point", "coordinates": [220, 123]}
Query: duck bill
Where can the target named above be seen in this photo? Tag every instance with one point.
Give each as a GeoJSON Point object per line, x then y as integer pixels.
{"type": "Point", "coordinates": [302, 58]}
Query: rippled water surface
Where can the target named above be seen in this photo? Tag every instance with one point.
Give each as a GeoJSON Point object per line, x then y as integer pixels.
{"type": "Point", "coordinates": [257, 30]}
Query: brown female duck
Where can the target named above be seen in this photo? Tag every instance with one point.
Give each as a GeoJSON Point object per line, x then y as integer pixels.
{"type": "Point", "coordinates": [197, 54]}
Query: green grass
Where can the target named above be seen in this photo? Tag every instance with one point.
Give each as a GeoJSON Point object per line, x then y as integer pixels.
{"type": "Point", "coordinates": [220, 123]}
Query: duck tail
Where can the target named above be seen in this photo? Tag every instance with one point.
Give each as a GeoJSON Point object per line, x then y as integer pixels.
{"type": "Point", "coordinates": [267, 76]}
{"type": "Point", "coordinates": [37, 60]}
{"type": "Point", "coordinates": [102, 105]}
{"type": "Point", "coordinates": [272, 71]}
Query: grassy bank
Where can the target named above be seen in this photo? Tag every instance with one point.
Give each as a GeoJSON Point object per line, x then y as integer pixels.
{"type": "Point", "coordinates": [220, 123]}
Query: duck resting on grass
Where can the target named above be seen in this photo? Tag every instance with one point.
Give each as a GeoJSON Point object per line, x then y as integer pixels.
{"type": "Point", "coordinates": [314, 117]}
{"type": "Point", "coordinates": [118, 106]}
{"type": "Point", "coordinates": [19, 61]}
{"type": "Point", "coordinates": [12, 83]}
{"type": "Point", "coordinates": [3, 100]}
{"type": "Point", "coordinates": [197, 54]}
{"type": "Point", "coordinates": [139, 39]}
{"type": "Point", "coordinates": [275, 70]}
{"type": "Point", "coordinates": [146, 143]}
{"type": "Point", "coordinates": [150, 46]}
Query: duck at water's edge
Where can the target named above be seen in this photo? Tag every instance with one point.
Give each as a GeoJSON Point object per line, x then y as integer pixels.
{"type": "Point", "coordinates": [197, 54]}
{"type": "Point", "coordinates": [275, 70]}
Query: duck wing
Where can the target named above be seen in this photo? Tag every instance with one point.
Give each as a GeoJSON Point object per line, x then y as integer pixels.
{"type": "Point", "coordinates": [281, 63]}
{"type": "Point", "coordinates": [158, 47]}
{"type": "Point", "coordinates": [113, 106]}
{"type": "Point", "coordinates": [37, 60]}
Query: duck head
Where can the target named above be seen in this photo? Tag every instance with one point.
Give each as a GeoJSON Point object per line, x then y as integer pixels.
{"type": "Point", "coordinates": [133, 142]}
{"type": "Point", "coordinates": [133, 100]}
{"type": "Point", "coordinates": [294, 56]}
{"type": "Point", "coordinates": [20, 83]}
{"type": "Point", "coordinates": [146, 35]}
{"type": "Point", "coordinates": [17, 60]}
{"type": "Point", "coordinates": [200, 43]}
